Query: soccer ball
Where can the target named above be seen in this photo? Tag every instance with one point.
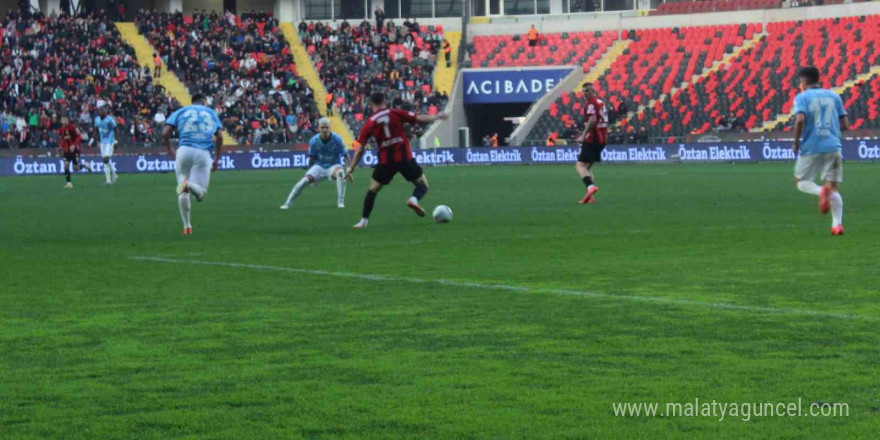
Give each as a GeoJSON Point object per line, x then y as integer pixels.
{"type": "Point", "coordinates": [442, 214]}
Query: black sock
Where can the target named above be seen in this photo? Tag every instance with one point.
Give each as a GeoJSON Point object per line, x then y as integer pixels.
{"type": "Point", "coordinates": [588, 180]}
{"type": "Point", "coordinates": [67, 173]}
{"type": "Point", "coordinates": [368, 203]}
{"type": "Point", "coordinates": [420, 191]}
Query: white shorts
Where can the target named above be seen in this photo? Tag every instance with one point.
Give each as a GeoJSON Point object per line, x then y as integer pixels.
{"type": "Point", "coordinates": [194, 165]}
{"type": "Point", "coordinates": [827, 166]}
{"type": "Point", "coordinates": [106, 150]}
{"type": "Point", "coordinates": [320, 173]}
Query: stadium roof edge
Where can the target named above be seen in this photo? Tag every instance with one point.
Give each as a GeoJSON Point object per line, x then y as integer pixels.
{"type": "Point", "coordinates": [618, 21]}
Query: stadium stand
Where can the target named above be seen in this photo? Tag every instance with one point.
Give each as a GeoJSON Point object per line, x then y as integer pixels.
{"type": "Point", "coordinates": [760, 83]}
{"type": "Point", "coordinates": [698, 7]}
{"type": "Point", "coordinates": [863, 104]}
{"type": "Point", "coordinates": [582, 48]}
{"type": "Point", "coordinates": [244, 65]}
{"type": "Point", "coordinates": [741, 94]}
{"type": "Point", "coordinates": [354, 61]}
{"type": "Point", "coordinates": [655, 62]}
{"type": "Point", "coordinates": [56, 67]}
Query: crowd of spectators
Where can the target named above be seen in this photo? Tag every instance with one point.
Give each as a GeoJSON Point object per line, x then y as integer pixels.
{"type": "Point", "coordinates": [244, 65]}
{"type": "Point", "coordinates": [356, 60]}
{"type": "Point", "coordinates": [63, 66]}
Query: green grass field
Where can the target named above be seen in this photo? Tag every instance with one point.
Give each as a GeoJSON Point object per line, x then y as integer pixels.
{"type": "Point", "coordinates": [527, 317]}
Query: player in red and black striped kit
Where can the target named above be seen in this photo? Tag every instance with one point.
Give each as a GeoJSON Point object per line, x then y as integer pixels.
{"type": "Point", "coordinates": [592, 140]}
{"type": "Point", "coordinates": [70, 144]}
{"type": "Point", "coordinates": [395, 154]}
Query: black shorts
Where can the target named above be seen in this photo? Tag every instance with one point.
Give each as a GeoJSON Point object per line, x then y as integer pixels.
{"type": "Point", "coordinates": [72, 158]}
{"type": "Point", "coordinates": [383, 173]}
{"type": "Point", "coordinates": [591, 152]}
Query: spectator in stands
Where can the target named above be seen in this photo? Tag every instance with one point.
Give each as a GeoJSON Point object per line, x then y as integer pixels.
{"type": "Point", "coordinates": [379, 14]}
{"type": "Point", "coordinates": [329, 100]}
{"type": "Point", "coordinates": [243, 64]}
{"type": "Point", "coordinates": [447, 51]}
{"type": "Point", "coordinates": [487, 141]}
{"type": "Point", "coordinates": [736, 124]}
{"type": "Point", "coordinates": [494, 140]}
{"type": "Point", "coordinates": [642, 136]}
{"type": "Point", "coordinates": [74, 66]}
{"type": "Point", "coordinates": [355, 62]}
{"type": "Point", "coordinates": [157, 65]}
{"type": "Point", "coordinates": [533, 37]}
{"type": "Point", "coordinates": [551, 140]}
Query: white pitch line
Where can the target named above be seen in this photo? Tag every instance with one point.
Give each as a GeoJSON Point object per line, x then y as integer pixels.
{"type": "Point", "coordinates": [510, 288]}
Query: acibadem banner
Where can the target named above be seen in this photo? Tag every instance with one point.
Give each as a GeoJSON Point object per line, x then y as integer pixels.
{"type": "Point", "coordinates": [696, 153]}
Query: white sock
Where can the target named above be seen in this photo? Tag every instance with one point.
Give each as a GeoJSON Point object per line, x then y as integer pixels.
{"type": "Point", "coordinates": [340, 186]}
{"type": "Point", "coordinates": [809, 187]}
{"type": "Point", "coordinates": [296, 190]}
{"type": "Point", "coordinates": [195, 189]}
{"type": "Point", "coordinates": [112, 169]}
{"type": "Point", "coordinates": [184, 204]}
{"type": "Point", "coordinates": [413, 199]}
{"type": "Point", "coordinates": [836, 209]}
{"type": "Point", "coordinates": [107, 172]}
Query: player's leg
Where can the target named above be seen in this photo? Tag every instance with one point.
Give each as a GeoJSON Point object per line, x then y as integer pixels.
{"type": "Point", "coordinates": [414, 174]}
{"type": "Point", "coordinates": [312, 176]}
{"type": "Point", "coordinates": [67, 173]}
{"type": "Point", "coordinates": [338, 174]}
{"type": "Point", "coordinates": [82, 163]}
{"type": "Point", "coordinates": [805, 170]}
{"type": "Point", "coordinates": [111, 149]}
{"type": "Point", "coordinates": [108, 174]}
{"type": "Point", "coordinates": [382, 176]}
{"type": "Point", "coordinates": [589, 154]}
{"type": "Point", "coordinates": [182, 170]}
{"type": "Point", "coordinates": [585, 171]}
{"type": "Point", "coordinates": [199, 174]}
{"type": "Point", "coordinates": [832, 174]}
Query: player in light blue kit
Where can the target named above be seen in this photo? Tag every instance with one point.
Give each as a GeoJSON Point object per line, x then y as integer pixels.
{"type": "Point", "coordinates": [107, 141]}
{"type": "Point", "coordinates": [819, 120]}
{"type": "Point", "coordinates": [327, 153]}
{"type": "Point", "coordinates": [199, 131]}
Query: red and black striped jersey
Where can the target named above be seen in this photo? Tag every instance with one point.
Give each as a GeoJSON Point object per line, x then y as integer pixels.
{"type": "Point", "coordinates": [599, 133]}
{"type": "Point", "coordinates": [386, 126]}
{"type": "Point", "coordinates": [69, 138]}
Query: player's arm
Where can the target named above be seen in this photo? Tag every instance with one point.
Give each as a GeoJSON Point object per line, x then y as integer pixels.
{"type": "Point", "coordinates": [360, 146]}
{"type": "Point", "coordinates": [844, 123]}
{"type": "Point", "coordinates": [77, 139]}
{"type": "Point", "coordinates": [800, 121]}
{"type": "Point", "coordinates": [347, 162]}
{"type": "Point", "coordinates": [166, 140]}
{"type": "Point", "coordinates": [431, 118]}
{"type": "Point", "coordinates": [591, 121]}
{"type": "Point", "coordinates": [351, 166]}
{"type": "Point", "coordinates": [218, 149]}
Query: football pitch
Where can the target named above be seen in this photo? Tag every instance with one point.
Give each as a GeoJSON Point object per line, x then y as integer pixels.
{"type": "Point", "coordinates": [527, 317]}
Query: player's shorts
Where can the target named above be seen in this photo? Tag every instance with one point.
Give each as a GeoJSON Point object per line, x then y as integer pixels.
{"type": "Point", "coordinates": [194, 165]}
{"type": "Point", "coordinates": [383, 173]}
{"type": "Point", "coordinates": [591, 152]}
{"type": "Point", "coordinates": [72, 158]}
{"type": "Point", "coordinates": [827, 166]}
{"type": "Point", "coordinates": [320, 173]}
{"type": "Point", "coordinates": [106, 149]}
